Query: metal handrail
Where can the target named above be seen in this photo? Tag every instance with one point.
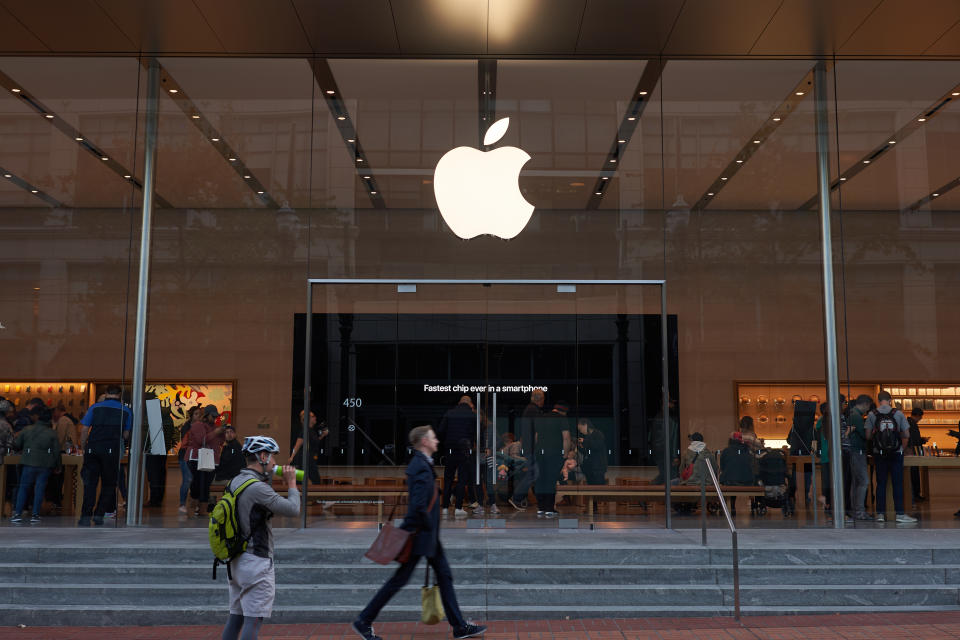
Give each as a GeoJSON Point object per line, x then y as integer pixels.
{"type": "Point", "coordinates": [730, 525]}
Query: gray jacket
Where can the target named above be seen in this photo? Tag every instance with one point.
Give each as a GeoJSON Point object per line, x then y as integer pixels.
{"type": "Point", "coordinates": [256, 505]}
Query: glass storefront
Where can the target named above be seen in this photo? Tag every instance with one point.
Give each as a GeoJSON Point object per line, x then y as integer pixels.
{"type": "Point", "coordinates": [276, 176]}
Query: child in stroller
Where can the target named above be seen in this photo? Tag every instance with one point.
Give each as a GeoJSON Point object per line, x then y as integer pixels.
{"type": "Point", "coordinates": [776, 483]}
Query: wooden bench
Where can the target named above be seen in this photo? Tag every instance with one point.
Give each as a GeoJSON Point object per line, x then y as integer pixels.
{"type": "Point", "coordinates": [342, 494]}
{"type": "Point", "coordinates": [654, 492]}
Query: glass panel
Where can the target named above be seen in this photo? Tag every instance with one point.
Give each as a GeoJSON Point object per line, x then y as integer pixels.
{"type": "Point", "coordinates": [899, 218]}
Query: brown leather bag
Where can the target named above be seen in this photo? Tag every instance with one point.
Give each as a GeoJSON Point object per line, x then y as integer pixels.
{"type": "Point", "coordinates": [394, 543]}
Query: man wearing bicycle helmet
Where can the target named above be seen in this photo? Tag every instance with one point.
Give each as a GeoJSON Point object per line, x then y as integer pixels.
{"type": "Point", "coordinates": [252, 582]}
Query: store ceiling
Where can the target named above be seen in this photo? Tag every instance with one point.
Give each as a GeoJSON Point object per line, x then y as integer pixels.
{"type": "Point", "coordinates": [472, 28]}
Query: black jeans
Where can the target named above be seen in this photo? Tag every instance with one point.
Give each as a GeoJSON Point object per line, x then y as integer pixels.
{"type": "Point", "coordinates": [402, 576]}
{"type": "Point", "coordinates": [459, 465]}
{"type": "Point", "coordinates": [157, 478]}
{"type": "Point", "coordinates": [101, 465]}
{"type": "Point", "coordinates": [200, 485]}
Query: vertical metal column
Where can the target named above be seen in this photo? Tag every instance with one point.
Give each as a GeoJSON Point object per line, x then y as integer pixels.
{"type": "Point", "coordinates": [667, 427]}
{"type": "Point", "coordinates": [829, 309]}
{"type": "Point", "coordinates": [135, 477]}
{"type": "Point", "coordinates": [307, 384]}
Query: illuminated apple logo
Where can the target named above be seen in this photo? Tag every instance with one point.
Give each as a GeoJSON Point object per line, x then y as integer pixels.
{"type": "Point", "coordinates": [478, 192]}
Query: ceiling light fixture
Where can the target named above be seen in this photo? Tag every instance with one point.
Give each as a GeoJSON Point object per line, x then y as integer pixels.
{"type": "Point", "coordinates": [366, 177]}
{"type": "Point", "coordinates": [756, 142]}
{"type": "Point", "coordinates": [373, 193]}
{"type": "Point", "coordinates": [104, 158]}
{"type": "Point", "coordinates": [710, 193]}
{"type": "Point", "coordinates": [622, 141]}
{"type": "Point", "coordinates": [48, 116]}
{"type": "Point", "coordinates": [724, 178]}
{"type": "Point", "coordinates": [776, 119]}
{"type": "Point", "coordinates": [799, 93]}
{"type": "Point", "coordinates": [78, 139]}
{"type": "Point", "coordinates": [605, 178]}
{"type": "Point", "coordinates": [866, 162]}
{"type": "Point", "coordinates": [891, 142]}
{"type": "Point", "coordinates": [936, 195]}
{"type": "Point", "coordinates": [739, 161]}
{"type": "Point", "coordinates": [955, 93]}
{"type": "Point", "coordinates": [34, 191]}
{"type": "Point", "coordinates": [173, 91]}
{"type": "Point", "coordinates": [631, 118]}
{"type": "Point", "coordinates": [341, 117]}
{"type": "Point", "coordinates": [359, 159]}
{"type": "Point", "coordinates": [843, 179]}
{"type": "Point", "coordinates": [7, 175]}
{"type": "Point", "coordinates": [232, 159]}
{"type": "Point", "coordinates": [330, 92]}
{"type": "Point", "coordinates": [127, 177]}
{"type": "Point", "coordinates": [921, 119]}
{"type": "Point", "coordinates": [642, 93]}
{"type": "Point", "coordinates": [195, 117]}
{"type": "Point", "coordinates": [599, 193]}
{"type": "Point", "coordinates": [351, 140]}
{"type": "Point", "coordinates": [214, 139]}
{"type": "Point", "coordinates": [246, 177]}
{"type": "Point", "coordinates": [15, 90]}
{"type": "Point", "coordinates": [259, 193]}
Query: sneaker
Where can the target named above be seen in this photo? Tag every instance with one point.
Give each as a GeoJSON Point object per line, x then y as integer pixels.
{"type": "Point", "coordinates": [864, 516]}
{"type": "Point", "coordinates": [460, 513]}
{"type": "Point", "coordinates": [551, 514]}
{"type": "Point", "coordinates": [98, 520]}
{"type": "Point", "coordinates": [880, 518]}
{"type": "Point", "coordinates": [478, 511]}
{"type": "Point", "coordinates": [519, 508]}
{"type": "Point", "coordinates": [84, 521]}
{"type": "Point", "coordinates": [473, 505]}
{"type": "Point", "coordinates": [469, 631]}
{"type": "Point", "coordinates": [443, 511]}
{"type": "Point", "coordinates": [16, 519]}
{"type": "Point", "coordinates": [902, 517]}
{"type": "Point", "coordinates": [494, 509]}
{"type": "Point", "coordinates": [182, 509]}
{"type": "Point", "coordinates": [35, 518]}
{"type": "Point", "coordinates": [365, 631]}
{"type": "Point", "coordinates": [539, 513]}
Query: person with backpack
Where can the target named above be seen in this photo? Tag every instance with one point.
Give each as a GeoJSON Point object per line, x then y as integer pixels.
{"type": "Point", "coordinates": [889, 432]}
{"type": "Point", "coordinates": [242, 538]}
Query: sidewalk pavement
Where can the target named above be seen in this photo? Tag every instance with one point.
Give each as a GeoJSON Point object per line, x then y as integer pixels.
{"type": "Point", "coordinates": [866, 626]}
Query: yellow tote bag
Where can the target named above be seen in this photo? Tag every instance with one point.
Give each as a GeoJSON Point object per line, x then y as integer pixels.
{"type": "Point", "coordinates": [432, 604]}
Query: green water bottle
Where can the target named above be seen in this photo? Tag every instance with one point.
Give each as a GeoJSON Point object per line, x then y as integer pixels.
{"type": "Point", "coordinates": [278, 471]}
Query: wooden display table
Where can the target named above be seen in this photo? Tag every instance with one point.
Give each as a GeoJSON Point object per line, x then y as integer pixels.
{"type": "Point", "coordinates": [71, 467]}
{"type": "Point", "coordinates": [654, 492]}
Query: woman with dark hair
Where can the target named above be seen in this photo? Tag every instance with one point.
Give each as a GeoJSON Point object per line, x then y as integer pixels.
{"type": "Point", "coordinates": [748, 434]}
{"type": "Point", "coordinates": [203, 434]}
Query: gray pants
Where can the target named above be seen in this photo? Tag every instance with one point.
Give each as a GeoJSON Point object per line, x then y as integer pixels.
{"type": "Point", "coordinates": [858, 481]}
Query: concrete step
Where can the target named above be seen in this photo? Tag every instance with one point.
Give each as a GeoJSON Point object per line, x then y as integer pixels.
{"type": "Point", "coordinates": [372, 574]}
{"type": "Point", "coordinates": [214, 595]}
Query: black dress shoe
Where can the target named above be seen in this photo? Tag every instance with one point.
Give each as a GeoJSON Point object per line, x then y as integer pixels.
{"type": "Point", "coordinates": [469, 631]}
{"type": "Point", "coordinates": [364, 630]}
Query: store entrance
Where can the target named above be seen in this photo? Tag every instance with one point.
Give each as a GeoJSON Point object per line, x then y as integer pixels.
{"type": "Point", "coordinates": [535, 390]}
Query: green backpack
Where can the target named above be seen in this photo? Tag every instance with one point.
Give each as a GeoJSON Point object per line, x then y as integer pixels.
{"type": "Point", "coordinates": [225, 539]}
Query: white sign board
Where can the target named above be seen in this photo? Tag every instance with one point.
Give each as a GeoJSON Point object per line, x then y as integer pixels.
{"type": "Point", "coordinates": [157, 446]}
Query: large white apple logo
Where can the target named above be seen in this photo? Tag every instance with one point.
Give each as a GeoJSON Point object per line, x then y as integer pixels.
{"type": "Point", "coordinates": [479, 192]}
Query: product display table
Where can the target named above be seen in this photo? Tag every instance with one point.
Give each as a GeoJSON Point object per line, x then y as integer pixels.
{"type": "Point", "coordinates": [73, 485]}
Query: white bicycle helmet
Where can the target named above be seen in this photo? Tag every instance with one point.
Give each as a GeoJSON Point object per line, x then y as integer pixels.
{"type": "Point", "coordinates": [256, 444]}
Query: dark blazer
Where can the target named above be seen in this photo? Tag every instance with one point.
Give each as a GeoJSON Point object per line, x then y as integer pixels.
{"type": "Point", "coordinates": [425, 525]}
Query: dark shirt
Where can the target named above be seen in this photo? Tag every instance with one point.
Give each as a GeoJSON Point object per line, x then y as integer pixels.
{"type": "Point", "coordinates": [457, 429]}
{"type": "Point", "coordinates": [594, 452]}
{"type": "Point", "coordinates": [532, 414]}
{"type": "Point", "coordinates": [107, 420]}
{"type": "Point", "coordinates": [915, 438]}
{"type": "Point", "coordinates": [232, 461]}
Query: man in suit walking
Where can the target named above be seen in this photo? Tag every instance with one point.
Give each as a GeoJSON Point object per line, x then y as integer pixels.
{"type": "Point", "coordinates": [423, 521]}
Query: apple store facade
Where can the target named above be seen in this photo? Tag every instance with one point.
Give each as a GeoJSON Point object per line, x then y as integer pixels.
{"type": "Point", "coordinates": [591, 222]}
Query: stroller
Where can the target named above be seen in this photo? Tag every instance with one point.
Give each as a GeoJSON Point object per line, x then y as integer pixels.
{"type": "Point", "coordinates": [776, 484]}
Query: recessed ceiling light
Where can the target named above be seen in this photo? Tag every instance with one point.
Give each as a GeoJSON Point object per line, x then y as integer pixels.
{"type": "Point", "coordinates": [15, 90]}
{"type": "Point", "coordinates": [34, 191]}
{"type": "Point", "coordinates": [341, 117]}
{"type": "Point", "coordinates": [799, 93]}
{"type": "Point", "coordinates": [843, 179]}
{"type": "Point", "coordinates": [891, 142]}
{"type": "Point", "coordinates": [622, 141]}
{"type": "Point", "coordinates": [366, 177]}
{"type": "Point", "coordinates": [776, 118]}
{"type": "Point", "coordinates": [173, 91]}
{"type": "Point", "coordinates": [260, 193]}
{"type": "Point", "coordinates": [599, 193]}
{"type": "Point", "coordinates": [48, 116]}
{"type": "Point", "coordinates": [127, 177]}
{"type": "Point", "coordinates": [613, 159]}
{"type": "Point", "coordinates": [78, 139]}
{"type": "Point", "coordinates": [7, 175]}
{"type": "Point", "coordinates": [605, 178]}
{"type": "Point", "coordinates": [330, 92]}
{"type": "Point", "coordinates": [232, 159]}
{"type": "Point", "coordinates": [710, 193]}
{"type": "Point", "coordinates": [643, 93]}
{"type": "Point", "coordinates": [935, 195]}
{"type": "Point", "coordinates": [246, 177]}
{"type": "Point", "coordinates": [921, 119]}
{"type": "Point", "coordinates": [214, 139]}
{"type": "Point", "coordinates": [631, 118]}
{"type": "Point", "coordinates": [195, 117]}
{"type": "Point", "coordinates": [373, 193]}
{"type": "Point", "coordinates": [724, 178]}
{"type": "Point", "coordinates": [955, 93]}
{"type": "Point", "coordinates": [359, 159]}
{"type": "Point", "coordinates": [104, 158]}
{"type": "Point", "coordinates": [351, 140]}
{"type": "Point", "coordinates": [756, 142]}
{"type": "Point", "coordinates": [739, 161]}
{"type": "Point", "coordinates": [866, 162]}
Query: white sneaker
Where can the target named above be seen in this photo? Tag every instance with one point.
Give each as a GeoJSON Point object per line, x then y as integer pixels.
{"type": "Point", "coordinates": [443, 512]}
{"type": "Point", "coordinates": [551, 514]}
{"type": "Point", "coordinates": [902, 517]}
{"type": "Point", "coordinates": [478, 511]}
{"type": "Point", "coordinates": [880, 518]}
{"type": "Point", "coordinates": [460, 513]}
{"type": "Point", "coordinates": [494, 509]}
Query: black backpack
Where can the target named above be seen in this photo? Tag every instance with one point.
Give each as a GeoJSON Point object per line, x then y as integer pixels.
{"type": "Point", "coordinates": [886, 434]}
